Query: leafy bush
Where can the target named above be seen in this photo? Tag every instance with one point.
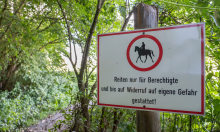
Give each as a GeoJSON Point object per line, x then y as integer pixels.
{"type": "Point", "coordinates": [34, 94]}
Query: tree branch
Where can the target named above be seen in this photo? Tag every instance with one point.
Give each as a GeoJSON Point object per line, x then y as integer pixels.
{"type": "Point", "coordinates": [16, 11]}
{"type": "Point", "coordinates": [189, 17]}
{"type": "Point", "coordinates": [42, 20]}
{"type": "Point", "coordinates": [5, 6]}
{"type": "Point", "coordinates": [126, 21]}
{"type": "Point", "coordinates": [80, 44]}
{"type": "Point", "coordinates": [69, 37]}
{"type": "Point", "coordinates": [21, 4]}
{"type": "Point", "coordinates": [92, 71]}
{"type": "Point", "coordinates": [173, 18]}
{"type": "Point", "coordinates": [93, 89]}
{"type": "Point", "coordinates": [39, 25]}
{"type": "Point", "coordinates": [88, 41]}
{"type": "Point", "coordinates": [74, 47]}
{"type": "Point", "coordinates": [116, 119]}
{"type": "Point", "coordinates": [51, 42]}
{"type": "Point", "coordinates": [3, 10]}
{"type": "Point", "coordinates": [52, 18]}
{"type": "Point", "coordinates": [47, 27]}
{"type": "Point", "coordinates": [10, 72]}
{"type": "Point", "coordinates": [67, 25]}
{"type": "Point", "coordinates": [74, 67]}
{"type": "Point", "coordinates": [102, 120]}
{"type": "Point", "coordinates": [87, 76]}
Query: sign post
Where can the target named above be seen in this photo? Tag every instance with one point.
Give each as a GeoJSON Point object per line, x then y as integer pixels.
{"type": "Point", "coordinates": [146, 16]}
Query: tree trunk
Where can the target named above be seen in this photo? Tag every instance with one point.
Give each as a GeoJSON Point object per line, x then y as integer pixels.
{"type": "Point", "coordinates": [146, 16]}
{"type": "Point", "coordinates": [102, 120]}
{"type": "Point", "coordinates": [117, 118]}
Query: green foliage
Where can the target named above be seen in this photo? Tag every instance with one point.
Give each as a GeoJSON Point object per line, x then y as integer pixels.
{"type": "Point", "coordinates": [26, 33]}
{"type": "Point", "coordinates": [33, 81]}
{"type": "Point", "coordinates": [171, 13]}
{"type": "Point", "coordinates": [122, 10]}
{"type": "Point", "coordinates": [39, 92]}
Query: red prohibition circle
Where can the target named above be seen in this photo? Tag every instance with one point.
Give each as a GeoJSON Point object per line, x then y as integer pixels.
{"type": "Point", "coordinates": [160, 52]}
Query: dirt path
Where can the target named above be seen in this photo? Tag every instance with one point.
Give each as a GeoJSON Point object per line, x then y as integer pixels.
{"type": "Point", "coordinates": [48, 123]}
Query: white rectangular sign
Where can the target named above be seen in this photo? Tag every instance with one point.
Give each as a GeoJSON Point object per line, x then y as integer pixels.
{"type": "Point", "coordinates": [160, 69]}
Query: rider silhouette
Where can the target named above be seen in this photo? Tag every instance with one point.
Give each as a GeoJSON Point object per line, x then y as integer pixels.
{"type": "Point", "coordinates": [143, 46]}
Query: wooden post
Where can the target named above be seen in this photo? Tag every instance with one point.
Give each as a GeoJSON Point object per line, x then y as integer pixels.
{"type": "Point", "coordinates": [146, 16]}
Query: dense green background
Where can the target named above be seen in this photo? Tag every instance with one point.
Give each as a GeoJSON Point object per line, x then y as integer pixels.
{"type": "Point", "coordinates": [35, 82]}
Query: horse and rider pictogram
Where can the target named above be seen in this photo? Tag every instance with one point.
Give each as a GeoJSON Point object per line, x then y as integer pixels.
{"type": "Point", "coordinates": [136, 51]}
{"type": "Point", "coordinates": [143, 52]}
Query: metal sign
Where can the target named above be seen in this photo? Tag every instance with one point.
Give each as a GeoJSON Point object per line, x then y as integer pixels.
{"type": "Point", "coordinates": [160, 69]}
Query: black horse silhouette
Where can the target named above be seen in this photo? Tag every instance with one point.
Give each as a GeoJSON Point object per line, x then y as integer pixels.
{"type": "Point", "coordinates": [142, 52]}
